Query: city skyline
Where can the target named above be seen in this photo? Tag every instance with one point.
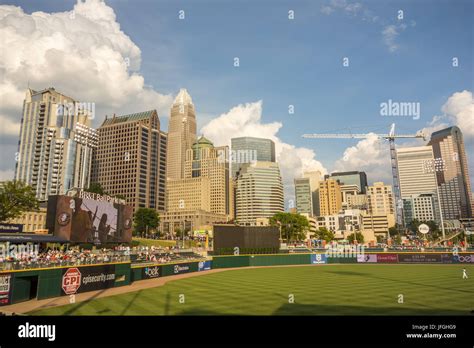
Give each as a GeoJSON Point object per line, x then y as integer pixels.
{"type": "Point", "coordinates": [262, 110]}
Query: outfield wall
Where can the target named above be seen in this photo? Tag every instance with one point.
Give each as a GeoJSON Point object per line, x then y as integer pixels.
{"type": "Point", "coordinates": [23, 285]}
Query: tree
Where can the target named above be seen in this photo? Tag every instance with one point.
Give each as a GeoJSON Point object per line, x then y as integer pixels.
{"type": "Point", "coordinates": [96, 187]}
{"type": "Point", "coordinates": [359, 236]}
{"type": "Point", "coordinates": [143, 218]}
{"type": "Point", "coordinates": [15, 198]}
{"type": "Point", "coordinates": [293, 226]}
{"type": "Point", "coordinates": [324, 234]}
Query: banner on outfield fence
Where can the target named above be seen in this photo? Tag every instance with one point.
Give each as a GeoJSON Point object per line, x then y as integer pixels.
{"type": "Point", "coordinates": [419, 258]}
{"type": "Point", "coordinates": [152, 272]}
{"type": "Point", "coordinates": [387, 258]}
{"type": "Point", "coordinates": [5, 289]}
{"type": "Point", "coordinates": [204, 266]}
{"type": "Point", "coordinates": [463, 258]}
{"type": "Point", "coordinates": [82, 279]}
{"type": "Point", "coordinates": [370, 258]}
{"type": "Point", "coordinates": [181, 268]}
{"type": "Point", "coordinates": [318, 259]}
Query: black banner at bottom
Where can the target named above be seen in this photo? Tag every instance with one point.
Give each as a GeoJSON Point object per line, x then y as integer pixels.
{"type": "Point", "coordinates": [449, 331]}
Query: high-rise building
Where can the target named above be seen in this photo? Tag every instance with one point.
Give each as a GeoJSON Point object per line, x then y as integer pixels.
{"type": "Point", "coordinates": [330, 197]}
{"type": "Point", "coordinates": [56, 143]}
{"type": "Point", "coordinates": [249, 150]}
{"type": "Point", "coordinates": [259, 192]}
{"type": "Point", "coordinates": [130, 160]}
{"type": "Point", "coordinates": [181, 134]}
{"type": "Point", "coordinates": [205, 189]}
{"type": "Point", "coordinates": [303, 196]}
{"type": "Point", "coordinates": [314, 177]}
{"type": "Point", "coordinates": [422, 207]}
{"type": "Point", "coordinates": [414, 170]}
{"type": "Point", "coordinates": [380, 202]}
{"type": "Point", "coordinates": [350, 178]}
{"type": "Point", "coordinates": [451, 168]}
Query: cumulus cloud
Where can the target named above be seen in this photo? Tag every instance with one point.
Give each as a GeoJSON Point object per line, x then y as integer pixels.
{"type": "Point", "coordinates": [246, 120]}
{"type": "Point", "coordinates": [373, 156]}
{"type": "Point", "coordinates": [83, 53]}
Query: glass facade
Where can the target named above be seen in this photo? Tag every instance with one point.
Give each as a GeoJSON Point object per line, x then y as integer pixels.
{"type": "Point", "coordinates": [250, 149]}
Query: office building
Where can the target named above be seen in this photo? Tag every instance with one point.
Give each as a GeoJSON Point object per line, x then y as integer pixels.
{"type": "Point", "coordinates": [380, 202]}
{"type": "Point", "coordinates": [303, 196]}
{"type": "Point", "coordinates": [130, 160]}
{"type": "Point", "coordinates": [258, 193]}
{"type": "Point", "coordinates": [181, 134]}
{"type": "Point", "coordinates": [422, 207]}
{"type": "Point", "coordinates": [56, 143]}
{"type": "Point", "coordinates": [314, 179]}
{"type": "Point", "coordinates": [249, 150]}
{"type": "Point", "coordinates": [205, 189]}
{"type": "Point", "coordinates": [330, 197]}
{"type": "Point", "coordinates": [451, 169]}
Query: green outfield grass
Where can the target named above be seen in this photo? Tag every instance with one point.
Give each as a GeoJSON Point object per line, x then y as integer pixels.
{"type": "Point", "coordinates": [318, 290]}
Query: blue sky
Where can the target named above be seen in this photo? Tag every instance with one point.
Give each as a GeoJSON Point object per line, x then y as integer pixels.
{"type": "Point", "coordinates": [299, 61]}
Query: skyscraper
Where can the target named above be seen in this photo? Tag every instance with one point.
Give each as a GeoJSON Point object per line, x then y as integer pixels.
{"type": "Point", "coordinates": [56, 143]}
{"type": "Point", "coordinates": [250, 149]}
{"type": "Point", "coordinates": [204, 195]}
{"type": "Point", "coordinates": [330, 197]}
{"type": "Point", "coordinates": [181, 134]}
{"type": "Point", "coordinates": [314, 179]}
{"type": "Point", "coordinates": [131, 159]}
{"type": "Point", "coordinates": [303, 195]}
{"type": "Point", "coordinates": [380, 202]}
{"type": "Point", "coordinates": [418, 187]}
{"type": "Point", "coordinates": [259, 192]}
{"type": "Point", "coordinates": [350, 178]}
{"type": "Point", "coordinates": [452, 173]}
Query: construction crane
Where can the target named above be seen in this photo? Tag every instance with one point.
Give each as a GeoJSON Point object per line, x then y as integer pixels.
{"type": "Point", "coordinates": [391, 136]}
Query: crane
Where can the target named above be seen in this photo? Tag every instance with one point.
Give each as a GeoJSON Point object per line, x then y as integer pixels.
{"type": "Point", "coordinates": [391, 136]}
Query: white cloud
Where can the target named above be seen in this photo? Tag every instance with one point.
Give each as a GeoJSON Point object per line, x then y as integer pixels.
{"type": "Point", "coordinates": [390, 33]}
{"type": "Point", "coordinates": [246, 120]}
{"type": "Point", "coordinates": [83, 53]}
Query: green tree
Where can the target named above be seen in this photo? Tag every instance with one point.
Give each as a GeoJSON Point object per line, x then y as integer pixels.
{"type": "Point", "coordinates": [359, 236]}
{"type": "Point", "coordinates": [16, 198]}
{"type": "Point", "coordinates": [143, 218]}
{"type": "Point", "coordinates": [324, 234]}
{"type": "Point", "coordinates": [96, 187]}
{"type": "Point", "coordinates": [293, 226]}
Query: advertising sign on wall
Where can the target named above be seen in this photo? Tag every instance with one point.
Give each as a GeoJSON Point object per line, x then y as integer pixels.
{"type": "Point", "coordinates": [318, 259]}
{"type": "Point", "coordinates": [11, 228]}
{"type": "Point", "coordinates": [181, 268]}
{"type": "Point", "coordinates": [89, 279]}
{"type": "Point", "coordinates": [152, 272]}
{"type": "Point", "coordinates": [204, 265]}
{"type": "Point", "coordinates": [371, 258]}
{"type": "Point", "coordinates": [5, 289]}
{"type": "Point", "coordinates": [419, 258]}
{"type": "Point", "coordinates": [387, 258]}
{"type": "Point", "coordinates": [469, 258]}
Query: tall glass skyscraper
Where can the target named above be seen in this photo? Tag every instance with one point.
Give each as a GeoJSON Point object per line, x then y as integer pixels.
{"type": "Point", "coordinates": [452, 173]}
{"type": "Point", "coordinates": [249, 150]}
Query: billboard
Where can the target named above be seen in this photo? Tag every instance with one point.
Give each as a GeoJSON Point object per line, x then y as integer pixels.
{"type": "Point", "coordinates": [370, 258]}
{"type": "Point", "coordinates": [419, 258]}
{"type": "Point", "coordinates": [5, 289]}
{"type": "Point", "coordinates": [90, 218]}
{"type": "Point", "coordinates": [11, 228]}
{"type": "Point", "coordinates": [152, 272]}
{"type": "Point", "coordinates": [82, 279]}
{"type": "Point", "coordinates": [204, 266]}
{"type": "Point", "coordinates": [387, 258]}
{"type": "Point", "coordinates": [318, 259]}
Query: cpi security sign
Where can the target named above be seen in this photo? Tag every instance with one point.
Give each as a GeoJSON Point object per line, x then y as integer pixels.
{"type": "Point", "coordinates": [71, 281]}
{"type": "Point", "coordinates": [423, 228]}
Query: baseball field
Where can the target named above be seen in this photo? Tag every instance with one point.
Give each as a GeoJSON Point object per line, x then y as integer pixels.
{"type": "Point", "coordinates": [359, 289]}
